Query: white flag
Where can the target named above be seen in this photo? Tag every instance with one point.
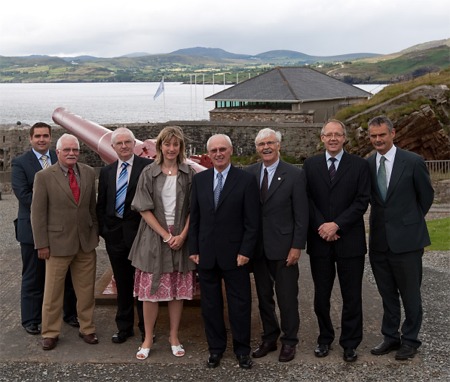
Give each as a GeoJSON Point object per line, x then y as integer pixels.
{"type": "Point", "coordinates": [159, 90]}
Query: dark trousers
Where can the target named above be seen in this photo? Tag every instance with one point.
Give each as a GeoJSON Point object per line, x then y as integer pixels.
{"type": "Point", "coordinates": [238, 292]}
{"type": "Point", "coordinates": [32, 289]}
{"type": "Point", "coordinates": [274, 273]}
{"type": "Point", "coordinates": [124, 276]}
{"type": "Point", "coordinates": [350, 273]}
{"type": "Point", "coordinates": [399, 275]}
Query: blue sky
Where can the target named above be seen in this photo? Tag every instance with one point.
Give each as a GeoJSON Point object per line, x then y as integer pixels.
{"type": "Point", "coordinates": [321, 27]}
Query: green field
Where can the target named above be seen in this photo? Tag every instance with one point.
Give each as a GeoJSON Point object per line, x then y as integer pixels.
{"type": "Point", "coordinates": [439, 230]}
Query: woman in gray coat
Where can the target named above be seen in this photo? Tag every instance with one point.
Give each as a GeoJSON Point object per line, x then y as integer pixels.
{"type": "Point", "coordinates": [159, 252]}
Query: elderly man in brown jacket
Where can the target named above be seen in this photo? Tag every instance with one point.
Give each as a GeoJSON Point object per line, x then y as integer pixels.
{"type": "Point", "coordinates": [65, 232]}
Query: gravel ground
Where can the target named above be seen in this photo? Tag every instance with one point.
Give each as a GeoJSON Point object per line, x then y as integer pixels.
{"type": "Point", "coordinates": [431, 364]}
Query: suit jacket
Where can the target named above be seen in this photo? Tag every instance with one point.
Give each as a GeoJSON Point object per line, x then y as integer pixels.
{"type": "Point", "coordinates": [57, 220]}
{"type": "Point", "coordinates": [284, 214]}
{"type": "Point", "coordinates": [219, 235]}
{"type": "Point", "coordinates": [344, 201]}
{"type": "Point", "coordinates": [399, 221]}
{"type": "Point", "coordinates": [111, 227]}
{"type": "Point", "coordinates": [24, 168]}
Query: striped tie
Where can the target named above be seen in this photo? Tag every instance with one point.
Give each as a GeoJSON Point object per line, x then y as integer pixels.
{"type": "Point", "coordinates": [121, 193]}
{"type": "Point", "coordinates": [218, 189]}
{"type": "Point", "coordinates": [332, 168]}
{"type": "Point", "coordinates": [44, 160]}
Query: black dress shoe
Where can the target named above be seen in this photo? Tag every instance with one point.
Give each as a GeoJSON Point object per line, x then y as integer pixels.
{"type": "Point", "coordinates": [245, 362]}
{"type": "Point", "coordinates": [121, 336]}
{"type": "Point", "coordinates": [214, 360]}
{"type": "Point", "coordinates": [350, 355]}
{"type": "Point", "coordinates": [385, 347]}
{"type": "Point", "coordinates": [264, 348]}
{"type": "Point", "coordinates": [32, 329]}
{"type": "Point", "coordinates": [321, 350]}
{"type": "Point", "coordinates": [287, 353]}
{"type": "Point", "coordinates": [73, 322]}
{"type": "Point", "coordinates": [405, 352]}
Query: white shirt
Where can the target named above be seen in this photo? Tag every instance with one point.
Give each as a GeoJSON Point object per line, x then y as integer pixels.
{"type": "Point", "coordinates": [270, 173]}
{"type": "Point", "coordinates": [119, 167]}
{"type": "Point", "coordinates": [337, 161]}
{"type": "Point", "coordinates": [388, 163]}
{"type": "Point", "coordinates": [224, 176]}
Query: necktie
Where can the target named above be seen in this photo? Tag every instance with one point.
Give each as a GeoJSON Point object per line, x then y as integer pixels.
{"type": "Point", "coordinates": [332, 168]}
{"type": "Point", "coordinates": [218, 189]}
{"type": "Point", "coordinates": [121, 193]}
{"type": "Point", "coordinates": [381, 178]}
{"type": "Point", "coordinates": [264, 186]}
{"type": "Point", "coordinates": [44, 160]}
{"type": "Point", "coordinates": [74, 185]}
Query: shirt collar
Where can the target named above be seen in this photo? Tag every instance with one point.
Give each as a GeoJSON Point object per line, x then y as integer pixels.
{"type": "Point", "coordinates": [390, 155]}
{"type": "Point", "coordinates": [338, 156]}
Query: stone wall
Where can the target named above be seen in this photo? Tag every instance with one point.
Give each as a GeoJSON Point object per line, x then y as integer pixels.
{"type": "Point", "coordinates": [299, 140]}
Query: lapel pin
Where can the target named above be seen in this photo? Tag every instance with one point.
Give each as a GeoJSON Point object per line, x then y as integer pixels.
{"type": "Point", "coordinates": [279, 178]}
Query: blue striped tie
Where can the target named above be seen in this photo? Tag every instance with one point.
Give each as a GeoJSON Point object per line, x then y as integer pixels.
{"type": "Point", "coordinates": [121, 193]}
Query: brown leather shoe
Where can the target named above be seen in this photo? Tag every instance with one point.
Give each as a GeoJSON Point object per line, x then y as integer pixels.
{"type": "Point", "coordinates": [287, 353]}
{"type": "Point", "coordinates": [264, 348]}
{"type": "Point", "coordinates": [90, 339]}
{"type": "Point", "coordinates": [49, 343]}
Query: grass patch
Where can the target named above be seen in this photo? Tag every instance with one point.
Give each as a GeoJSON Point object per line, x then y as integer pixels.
{"type": "Point", "coordinates": [439, 230]}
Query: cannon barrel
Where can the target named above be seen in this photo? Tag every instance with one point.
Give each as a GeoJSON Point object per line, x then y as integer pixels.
{"type": "Point", "coordinates": [98, 139]}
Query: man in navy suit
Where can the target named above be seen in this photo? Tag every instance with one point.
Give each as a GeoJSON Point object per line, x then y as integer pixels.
{"type": "Point", "coordinates": [401, 196]}
{"type": "Point", "coordinates": [119, 228]}
{"type": "Point", "coordinates": [282, 236]}
{"type": "Point", "coordinates": [339, 192]}
{"type": "Point", "coordinates": [222, 237]}
{"type": "Point", "coordinates": [24, 169]}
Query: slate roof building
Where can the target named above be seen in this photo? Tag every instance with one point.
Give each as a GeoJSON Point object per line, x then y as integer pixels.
{"type": "Point", "coordinates": [285, 94]}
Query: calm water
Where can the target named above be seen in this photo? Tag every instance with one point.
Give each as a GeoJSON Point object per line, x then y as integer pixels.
{"type": "Point", "coordinates": [107, 103]}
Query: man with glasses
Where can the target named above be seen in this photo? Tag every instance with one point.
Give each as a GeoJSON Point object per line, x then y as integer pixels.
{"type": "Point", "coordinates": [339, 192]}
{"type": "Point", "coordinates": [24, 169]}
{"type": "Point", "coordinates": [65, 233]}
{"type": "Point", "coordinates": [282, 236]}
{"type": "Point", "coordinates": [222, 236]}
{"type": "Point", "coordinates": [118, 226]}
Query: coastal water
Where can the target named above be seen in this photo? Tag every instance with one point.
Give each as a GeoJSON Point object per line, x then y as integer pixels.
{"type": "Point", "coordinates": [109, 103]}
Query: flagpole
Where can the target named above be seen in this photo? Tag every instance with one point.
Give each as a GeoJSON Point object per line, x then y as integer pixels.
{"type": "Point", "coordinates": [164, 103]}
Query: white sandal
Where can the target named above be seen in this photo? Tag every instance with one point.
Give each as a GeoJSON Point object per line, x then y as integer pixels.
{"type": "Point", "coordinates": [142, 353]}
{"type": "Point", "coordinates": [178, 350]}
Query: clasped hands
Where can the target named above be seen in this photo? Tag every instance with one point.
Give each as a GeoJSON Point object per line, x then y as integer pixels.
{"type": "Point", "coordinates": [241, 260]}
{"type": "Point", "coordinates": [327, 231]}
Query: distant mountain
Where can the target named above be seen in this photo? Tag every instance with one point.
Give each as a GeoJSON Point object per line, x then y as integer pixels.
{"type": "Point", "coordinates": [211, 53]}
{"type": "Point", "coordinates": [181, 64]}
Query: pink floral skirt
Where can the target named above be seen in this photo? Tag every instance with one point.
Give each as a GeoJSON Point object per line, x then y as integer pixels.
{"type": "Point", "coordinates": [172, 286]}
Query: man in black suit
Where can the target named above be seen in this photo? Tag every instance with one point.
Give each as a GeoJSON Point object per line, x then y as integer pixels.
{"type": "Point", "coordinates": [222, 237]}
{"type": "Point", "coordinates": [282, 236]}
{"type": "Point", "coordinates": [339, 192]}
{"type": "Point", "coordinates": [401, 196]}
{"type": "Point", "coordinates": [24, 169]}
{"type": "Point", "coordinates": [118, 225]}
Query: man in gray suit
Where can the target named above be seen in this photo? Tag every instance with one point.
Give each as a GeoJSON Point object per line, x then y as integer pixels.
{"type": "Point", "coordinates": [65, 233]}
{"type": "Point", "coordinates": [282, 236]}
{"type": "Point", "coordinates": [401, 196]}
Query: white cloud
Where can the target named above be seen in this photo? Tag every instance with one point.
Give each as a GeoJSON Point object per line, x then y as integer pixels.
{"type": "Point", "coordinates": [106, 29]}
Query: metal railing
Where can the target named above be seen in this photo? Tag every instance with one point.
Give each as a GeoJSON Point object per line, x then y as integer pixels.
{"type": "Point", "coordinates": [439, 169]}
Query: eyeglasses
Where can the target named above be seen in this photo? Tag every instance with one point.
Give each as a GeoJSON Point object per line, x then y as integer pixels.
{"type": "Point", "coordinates": [333, 135]}
{"type": "Point", "coordinates": [67, 151]}
{"type": "Point", "coordinates": [269, 143]}
{"type": "Point", "coordinates": [124, 143]}
{"type": "Point", "coordinates": [220, 150]}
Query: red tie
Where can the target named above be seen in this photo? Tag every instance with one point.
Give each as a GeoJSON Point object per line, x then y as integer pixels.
{"type": "Point", "coordinates": [74, 185]}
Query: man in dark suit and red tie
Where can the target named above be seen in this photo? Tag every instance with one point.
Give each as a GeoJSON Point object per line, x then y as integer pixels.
{"type": "Point", "coordinates": [401, 196]}
{"type": "Point", "coordinates": [339, 192]}
{"type": "Point", "coordinates": [282, 236]}
{"type": "Point", "coordinates": [118, 225]}
{"type": "Point", "coordinates": [65, 233]}
{"type": "Point", "coordinates": [222, 237]}
{"type": "Point", "coordinates": [24, 169]}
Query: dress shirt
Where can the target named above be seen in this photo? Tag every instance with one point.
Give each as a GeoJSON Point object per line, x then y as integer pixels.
{"type": "Point", "coordinates": [224, 177]}
{"type": "Point", "coordinates": [337, 161]}
{"type": "Point", "coordinates": [388, 163]}
{"type": "Point", "coordinates": [270, 173]}
{"type": "Point", "coordinates": [119, 168]}
{"type": "Point", "coordinates": [39, 155]}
